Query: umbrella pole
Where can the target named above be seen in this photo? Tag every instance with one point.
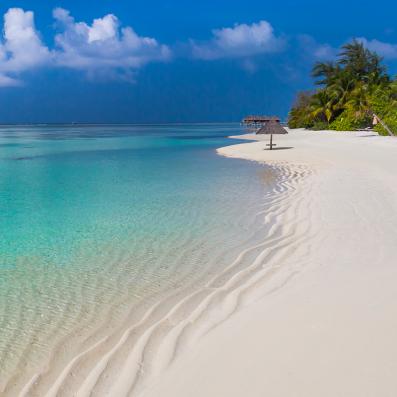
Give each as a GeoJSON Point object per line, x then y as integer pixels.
{"type": "Point", "coordinates": [271, 141]}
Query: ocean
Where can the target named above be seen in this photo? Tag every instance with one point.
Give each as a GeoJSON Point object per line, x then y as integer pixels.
{"type": "Point", "coordinates": [100, 223]}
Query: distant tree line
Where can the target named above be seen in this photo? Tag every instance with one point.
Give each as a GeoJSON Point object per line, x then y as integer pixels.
{"type": "Point", "coordinates": [352, 91]}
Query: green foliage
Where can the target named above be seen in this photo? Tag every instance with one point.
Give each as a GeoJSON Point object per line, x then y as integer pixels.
{"type": "Point", "coordinates": [349, 122]}
{"type": "Point", "coordinates": [300, 113]}
{"type": "Point", "coordinates": [342, 124]}
{"type": "Point", "coordinates": [320, 126]}
{"type": "Point", "coordinates": [391, 121]}
{"type": "Point", "coordinates": [351, 90]}
{"type": "Point", "coordinates": [384, 104]}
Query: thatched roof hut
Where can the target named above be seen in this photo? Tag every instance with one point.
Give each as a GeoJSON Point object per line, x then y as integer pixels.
{"type": "Point", "coordinates": [271, 128]}
{"type": "Point", "coordinates": [259, 120]}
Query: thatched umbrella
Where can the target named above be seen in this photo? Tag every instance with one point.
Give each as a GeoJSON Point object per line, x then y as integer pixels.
{"type": "Point", "coordinates": [272, 128]}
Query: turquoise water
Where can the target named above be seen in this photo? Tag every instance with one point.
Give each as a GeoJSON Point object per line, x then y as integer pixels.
{"type": "Point", "coordinates": [96, 219]}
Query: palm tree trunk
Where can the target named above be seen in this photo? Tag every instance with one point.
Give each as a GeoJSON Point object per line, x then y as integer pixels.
{"type": "Point", "coordinates": [384, 125]}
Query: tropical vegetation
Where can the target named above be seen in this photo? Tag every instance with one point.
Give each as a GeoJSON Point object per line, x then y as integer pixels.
{"type": "Point", "coordinates": [351, 92]}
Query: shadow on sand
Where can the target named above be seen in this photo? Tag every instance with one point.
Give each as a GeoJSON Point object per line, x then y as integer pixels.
{"type": "Point", "coordinates": [368, 136]}
{"type": "Point", "coordinates": [281, 148]}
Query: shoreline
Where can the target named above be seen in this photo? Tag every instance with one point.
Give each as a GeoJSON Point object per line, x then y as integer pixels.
{"type": "Point", "coordinates": [330, 329]}
{"type": "Point", "coordinates": [291, 313]}
{"type": "Point", "coordinates": [170, 330]}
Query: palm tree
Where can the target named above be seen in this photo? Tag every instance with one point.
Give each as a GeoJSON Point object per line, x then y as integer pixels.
{"type": "Point", "coordinates": [322, 106]}
{"type": "Point", "coordinates": [351, 90]}
{"type": "Point", "coordinates": [358, 102]}
{"type": "Point", "coordinates": [340, 89]}
{"type": "Point", "coordinates": [362, 64]}
{"type": "Point", "coordinates": [299, 115]}
{"type": "Point", "coordinates": [327, 71]}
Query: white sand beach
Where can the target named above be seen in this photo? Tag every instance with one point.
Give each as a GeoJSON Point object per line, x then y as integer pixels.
{"type": "Point", "coordinates": [320, 317]}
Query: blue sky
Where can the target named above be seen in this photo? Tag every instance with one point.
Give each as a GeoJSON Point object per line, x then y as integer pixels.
{"type": "Point", "coordinates": [172, 61]}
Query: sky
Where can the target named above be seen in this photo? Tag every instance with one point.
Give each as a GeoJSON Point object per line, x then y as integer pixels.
{"type": "Point", "coordinates": [173, 61]}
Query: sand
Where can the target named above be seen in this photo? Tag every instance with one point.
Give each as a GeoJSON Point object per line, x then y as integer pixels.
{"type": "Point", "coordinates": [318, 317]}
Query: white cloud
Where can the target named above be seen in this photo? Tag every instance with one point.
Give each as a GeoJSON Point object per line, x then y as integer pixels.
{"type": "Point", "coordinates": [102, 48]}
{"type": "Point", "coordinates": [325, 52]}
{"type": "Point", "coordinates": [103, 28]}
{"type": "Point", "coordinates": [8, 81]}
{"type": "Point", "coordinates": [311, 49]}
{"type": "Point", "coordinates": [239, 41]}
{"type": "Point", "coordinates": [21, 48]}
{"type": "Point", "coordinates": [105, 49]}
{"type": "Point", "coordinates": [386, 50]}
{"type": "Point", "coordinates": [103, 45]}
